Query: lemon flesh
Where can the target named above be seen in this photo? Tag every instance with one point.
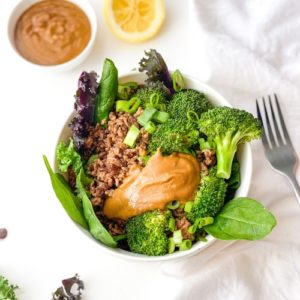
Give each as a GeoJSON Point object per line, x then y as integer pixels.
{"type": "Point", "coordinates": [134, 20]}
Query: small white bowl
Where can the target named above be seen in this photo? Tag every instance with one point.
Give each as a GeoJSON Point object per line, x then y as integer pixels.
{"type": "Point", "coordinates": [244, 157]}
{"type": "Point", "coordinates": [24, 5]}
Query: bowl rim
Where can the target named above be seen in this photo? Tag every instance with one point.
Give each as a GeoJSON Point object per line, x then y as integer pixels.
{"type": "Point", "coordinates": [197, 247]}
{"type": "Point", "coordinates": [21, 6]}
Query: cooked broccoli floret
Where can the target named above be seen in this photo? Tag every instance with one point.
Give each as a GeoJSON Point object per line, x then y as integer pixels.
{"type": "Point", "coordinates": [154, 96]}
{"type": "Point", "coordinates": [146, 233]}
{"type": "Point", "coordinates": [206, 144]}
{"type": "Point", "coordinates": [175, 135]}
{"type": "Point", "coordinates": [209, 198]}
{"type": "Point", "coordinates": [228, 127]}
{"type": "Point", "coordinates": [188, 100]}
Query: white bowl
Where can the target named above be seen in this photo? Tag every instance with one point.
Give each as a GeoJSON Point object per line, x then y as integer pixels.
{"type": "Point", "coordinates": [244, 156]}
{"type": "Point", "coordinates": [24, 5]}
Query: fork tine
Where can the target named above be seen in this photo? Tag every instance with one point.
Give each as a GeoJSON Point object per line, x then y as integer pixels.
{"type": "Point", "coordinates": [264, 139]}
{"type": "Point", "coordinates": [284, 130]}
{"type": "Point", "coordinates": [277, 132]}
{"type": "Point", "coordinates": [270, 132]}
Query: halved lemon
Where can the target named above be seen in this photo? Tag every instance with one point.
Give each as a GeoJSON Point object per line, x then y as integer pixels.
{"type": "Point", "coordinates": [134, 20]}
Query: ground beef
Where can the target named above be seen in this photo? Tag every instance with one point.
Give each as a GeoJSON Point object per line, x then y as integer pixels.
{"type": "Point", "coordinates": [178, 212]}
{"type": "Point", "coordinates": [114, 158]}
{"type": "Point", "coordinates": [207, 159]}
{"type": "Point", "coordinates": [183, 223]}
{"type": "Point", "coordinates": [204, 169]}
{"type": "Point", "coordinates": [71, 177]}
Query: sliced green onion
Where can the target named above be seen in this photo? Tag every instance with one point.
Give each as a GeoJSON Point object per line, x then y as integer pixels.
{"type": "Point", "coordinates": [134, 104]}
{"type": "Point", "coordinates": [129, 106]}
{"type": "Point", "coordinates": [178, 81]}
{"type": "Point", "coordinates": [205, 221]}
{"type": "Point", "coordinates": [173, 205]}
{"type": "Point", "coordinates": [146, 115]}
{"type": "Point", "coordinates": [177, 236]}
{"type": "Point", "coordinates": [131, 136]}
{"type": "Point", "coordinates": [150, 127]}
{"type": "Point", "coordinates": [121, 105]}
{"type": "Point", "coordinates": [188, 206]}
{"type": "Point", "coordinates": [154, 100]}
{"type": "Point", "coordinates": [160, 117]}
{"type": "Point", "coordinates": [185, 245]}
{"type": "Point", "coordinates": [120, 237]}
{"type": "Point", "coordinates": [171, 224]}
{"type": "Point", "coordinates": [125, 90]}
{"type": "Point", "coordinates": [193, 228]}
{"type": "Point", "coordinates": [171, 245]}
{"type": "Point", "coordinates": [192, 116]}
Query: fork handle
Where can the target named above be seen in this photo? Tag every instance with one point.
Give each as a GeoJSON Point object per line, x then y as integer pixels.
{"type": "Point", "coordinates": [293, 181]}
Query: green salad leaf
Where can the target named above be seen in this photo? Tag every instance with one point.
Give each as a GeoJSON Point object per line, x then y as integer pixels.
{"type": "Point", "coordinates": [7, 290]}
{"type": "Point", "coordinates": [67, 156]}
{"type": "Point", "coordinates": [65, 195]}
{"type": "Point", "coordinates": [97, 230]}
{"type": "Point", "coordinates": [107, 91]}
{"type": "Point", "coordinates": [242, 219]}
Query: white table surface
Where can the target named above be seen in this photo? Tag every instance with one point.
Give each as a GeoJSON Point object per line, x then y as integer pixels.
{"type": "Point", "coordinates": [43, 246]}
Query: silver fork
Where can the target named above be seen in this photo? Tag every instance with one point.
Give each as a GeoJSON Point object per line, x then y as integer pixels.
{"type": "Point", "coordinates": [278, 147]}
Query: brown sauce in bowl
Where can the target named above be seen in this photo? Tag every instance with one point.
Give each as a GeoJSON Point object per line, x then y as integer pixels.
{"type": "Point", "coordinates": [164, 179]}
{"type": "Point", "coordinates": [52, 32]}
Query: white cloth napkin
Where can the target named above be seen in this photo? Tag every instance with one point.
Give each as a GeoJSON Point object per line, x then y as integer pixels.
{"type": "Point", "coordinates": [253, 49]}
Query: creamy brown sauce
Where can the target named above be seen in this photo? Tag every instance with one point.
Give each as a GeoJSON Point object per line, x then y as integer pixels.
{"type": "Point", "coordinates": [52, 32]}
{"type": "Point", "coordinates": [164, 179]}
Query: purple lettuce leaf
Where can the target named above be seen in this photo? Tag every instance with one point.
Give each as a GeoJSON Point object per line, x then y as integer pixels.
{"type": "Point", "coordinates": [85, 107]}
{"type": "Point", "coordinates": [156, 69]}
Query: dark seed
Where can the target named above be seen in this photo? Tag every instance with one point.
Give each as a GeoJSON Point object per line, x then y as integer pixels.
{"type": "Point", "coordinates": [3, 233]}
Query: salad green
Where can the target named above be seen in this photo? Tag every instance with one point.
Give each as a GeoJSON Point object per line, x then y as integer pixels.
{"type": "Point", "coordinates": [107, 91]}
{"type": "Point", "coordinates": [242, 219]}
{"type": "Point", "coordinates": [97, 230]}
{"type": "Point", "coordinates": [162, 114]}
{"type": "Point", "coordinates": [7, 290]}
{"type": "Point", "coordinates": [66, 196]}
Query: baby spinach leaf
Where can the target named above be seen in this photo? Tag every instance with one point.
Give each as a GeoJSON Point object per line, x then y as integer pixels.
{"type": "Point", "coordinates": [242, 218]}
{"type": "Point", "coordinates": [97, 230]}
{"type": "Point", "coordinates": [215, 230]}
{"type": "Point", "coordinates": [65, 195]}
{"type": "Point", "coordinates": [107, 91]}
